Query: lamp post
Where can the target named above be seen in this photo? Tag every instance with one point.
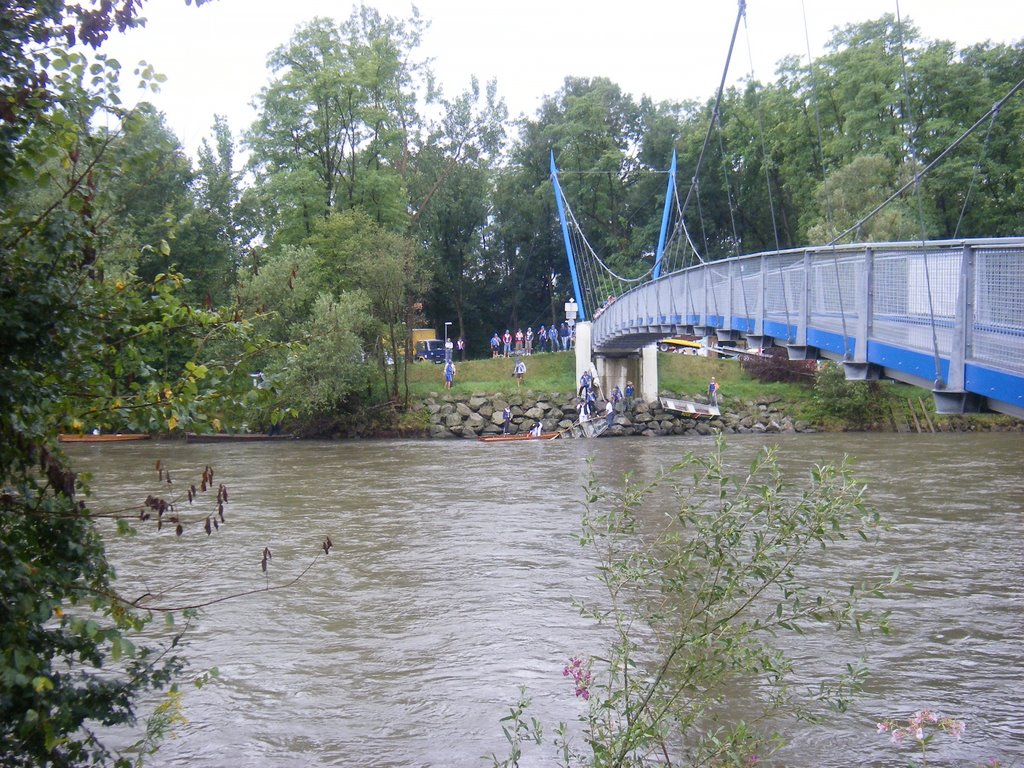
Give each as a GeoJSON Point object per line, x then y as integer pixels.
{"type": "Point", "coordinates": [447, 344]}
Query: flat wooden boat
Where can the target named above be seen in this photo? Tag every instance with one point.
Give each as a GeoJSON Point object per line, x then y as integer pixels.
{"type": "Point", "coordinates": [240, 437]}
{"type": "Point", "coordinates": [111, 438]}
{"type": "Point", "coordinates": [518, 437]}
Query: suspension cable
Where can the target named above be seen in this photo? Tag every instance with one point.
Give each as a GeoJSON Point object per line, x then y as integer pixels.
{"type": "Point", "coordinates": [718, 102]}
{"type": "Point", "coordinates": [977, 170]}
{"type": "Point", "coordinates": [928, 168]}
{"type": "Point", "coordinates": [912, 149]}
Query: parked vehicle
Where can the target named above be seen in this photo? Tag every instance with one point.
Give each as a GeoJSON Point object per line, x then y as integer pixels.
{"type": "Point", "coordinates": [430, 349]}
{"type": "Point", "coordinates": [679, 344]}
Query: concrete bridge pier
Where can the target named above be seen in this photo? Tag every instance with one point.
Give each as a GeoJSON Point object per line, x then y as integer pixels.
{"type": "Point", "coordinates": [617, 370]}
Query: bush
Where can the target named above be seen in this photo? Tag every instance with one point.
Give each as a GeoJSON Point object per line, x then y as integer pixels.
{"type": "Point", "coordinates": [857, 403]}
{"type": "Point", "coordinates": [775, 365]}
{"type": "Point", "coordinates": [697, 598]}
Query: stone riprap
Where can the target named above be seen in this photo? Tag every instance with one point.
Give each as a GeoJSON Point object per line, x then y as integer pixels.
{"type": "Point", "coordinates": [480, 414]}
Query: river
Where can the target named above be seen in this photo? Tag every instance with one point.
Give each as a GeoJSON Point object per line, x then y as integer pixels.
{"type": "Point", "coordinates": [453, 568]}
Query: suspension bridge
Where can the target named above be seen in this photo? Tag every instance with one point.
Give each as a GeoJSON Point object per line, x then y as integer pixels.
{"type": "Point", "coordinates": [947, 315]}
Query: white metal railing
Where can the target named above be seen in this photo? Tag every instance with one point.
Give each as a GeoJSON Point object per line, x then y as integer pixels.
{"type": "Point", "coordinates": [955, 303]}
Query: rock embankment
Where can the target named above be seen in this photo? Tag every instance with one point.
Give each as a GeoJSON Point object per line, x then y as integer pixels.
{"type": "Point", "coordinates": [481, 414]}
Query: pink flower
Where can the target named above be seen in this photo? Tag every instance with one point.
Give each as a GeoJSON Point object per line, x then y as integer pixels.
{"type": "Point", "coordinates": [883, 727]}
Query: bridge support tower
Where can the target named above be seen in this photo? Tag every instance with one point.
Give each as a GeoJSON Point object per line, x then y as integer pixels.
{"type": "Point", "coordinates": [617, 370]}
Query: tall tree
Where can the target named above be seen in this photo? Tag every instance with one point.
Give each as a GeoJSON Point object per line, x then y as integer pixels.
{"type": "Point", "coordinates": [340, 110]}
{"type": "Point", "coordinates": [452, 186]}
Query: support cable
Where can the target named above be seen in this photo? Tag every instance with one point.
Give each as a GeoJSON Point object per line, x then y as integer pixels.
{"type": "Point", "coordinates": [718, 102]}
{"type": "Point", "coordinates": [911, 145]}
{"type": "Point", "coordinates": [829, 218]}
{"type": "Point", "coordinates": [977, 170]}
{"type": "Point", "coordinates": [918, 175]}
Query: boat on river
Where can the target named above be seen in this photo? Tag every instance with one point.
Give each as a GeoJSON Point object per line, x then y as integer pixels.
{"type": "Point", "coordinates": [690, 407]}
{"type": "Point", "coordinates": [110, 438]}
{"type": "Point", "coordinates": [237, 437]}
{"type": "Point", "coordinates": [518, 437]}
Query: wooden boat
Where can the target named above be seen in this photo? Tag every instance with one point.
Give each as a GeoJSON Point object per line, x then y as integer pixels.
{"type": "Point", "coordinates": [238, 437]}
{"type": "Point", "coordinates": [691, 408]}
{"type": "Point", "coordinates": [111, 438]}
{"type": "Point", "coordinates": [517, 437]}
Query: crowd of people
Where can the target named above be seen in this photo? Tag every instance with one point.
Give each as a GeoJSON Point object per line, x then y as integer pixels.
{"type": "Point", "coordinates": [553, 338]}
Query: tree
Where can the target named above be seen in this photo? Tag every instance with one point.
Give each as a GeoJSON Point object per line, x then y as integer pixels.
{"type": "Point", "coordinates": [340, 111]}
{"type": "Point", "coordinates": [452, 183]}
{"type": "Point", "coordinates": [850, 193]}
{"type": "Point", "coordinates": [77, 349]}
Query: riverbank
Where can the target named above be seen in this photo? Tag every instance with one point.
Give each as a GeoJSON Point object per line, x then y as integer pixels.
{"type": "Point", "coordinates": [476, 415]}
{"type": "Point", "coordinates": [443, 416]}
{"type": "Point", "coordinates": [483, 388]}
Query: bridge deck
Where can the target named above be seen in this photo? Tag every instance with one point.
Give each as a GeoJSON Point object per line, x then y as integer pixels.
{"type": "Point", "coordinates": [948, 315]}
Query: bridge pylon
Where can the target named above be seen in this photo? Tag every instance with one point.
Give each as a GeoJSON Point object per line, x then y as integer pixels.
{"type": "Point", "coordinates": [616, 370]}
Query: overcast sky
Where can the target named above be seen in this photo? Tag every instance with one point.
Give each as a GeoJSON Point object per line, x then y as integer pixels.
{"type": "Point", "coordinates": [215, 56]}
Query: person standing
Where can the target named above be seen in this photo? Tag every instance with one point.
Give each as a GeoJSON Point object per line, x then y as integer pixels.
{"type": "Point", "coordinates": [495, 344]}
{"type": "Point", "coordinates": [563, 335]}
{"type": "Point", "coordinates": [449, 374]}
{"type": "Point", "coordinates": [713, 392]}
{"type": "Point", "coordinates": [529, 340]}
{"type": "Point", "coordinates": [519, 371]}
{"type": "Point", "coordinates": [460, 346]}
{"type": "Point", "coordinates": [506, 419]}
{"type": "Point", "coordinates": [519, 341]}
{"type": "Point", "coordinates": [542, 339]}
{"type": "Point", "coordinates": [609, 411]}
{"type": "Point", "coordinates": [630, 391]}
{"type": "Point", "coordinates": [506, 340]}
{"type": "Point", "coordinates": [553, 337]}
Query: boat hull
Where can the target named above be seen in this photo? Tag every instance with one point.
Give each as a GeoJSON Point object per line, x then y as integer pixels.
{"type": "Point", "coordinates": [517, 438]}
{"type": "Point", "coordinates": [114, 438]}
{"type": "Point", "coordinates": [690, 408]}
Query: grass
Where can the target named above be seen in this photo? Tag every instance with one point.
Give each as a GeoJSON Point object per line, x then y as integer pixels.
{"type": "Point", "coordinates": [546, 372]}
{"type": "Point", "coordinates": [679, 374]}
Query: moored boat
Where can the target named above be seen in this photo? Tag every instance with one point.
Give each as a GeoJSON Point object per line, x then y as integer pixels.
{"type": "Point", "coordinates": [518, 437]}
{"type": "Point", "coordinates": [111, 438]}
{"type": "Point", "coordinates": [690, 407]}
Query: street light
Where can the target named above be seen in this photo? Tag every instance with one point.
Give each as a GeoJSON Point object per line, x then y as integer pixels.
{"type": "Point", "coordinates": [447, 347]}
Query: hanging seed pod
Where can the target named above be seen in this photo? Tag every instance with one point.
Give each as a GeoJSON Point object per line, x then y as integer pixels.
{"type": "Point", "coordinates": [179, 530]}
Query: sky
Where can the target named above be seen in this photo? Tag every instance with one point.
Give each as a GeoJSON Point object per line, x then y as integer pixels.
{"type": "Point", "coordinates": [214, 56]}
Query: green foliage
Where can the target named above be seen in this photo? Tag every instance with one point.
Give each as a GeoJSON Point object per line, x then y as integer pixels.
{"type": "Point", "coordinates": [700, 590]}
{"type": "Point", "coordinates": [80, 351]}
{"type": "Point", "coordinates": [855, 403]}
{"type": "Point", "coordinates": [852, 192]}
{"type": "Point", "coordinates": [329, 367]}
{"type": "Point", "coordinates": [339, 113]}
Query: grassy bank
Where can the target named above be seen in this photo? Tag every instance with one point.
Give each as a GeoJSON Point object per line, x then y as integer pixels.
{"type": "Point", "coordinates": [554, 372]}
{"type": "Point", "coordinates": [678, 374]}
{"type": "Point", "coordinates": [886, 405]}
